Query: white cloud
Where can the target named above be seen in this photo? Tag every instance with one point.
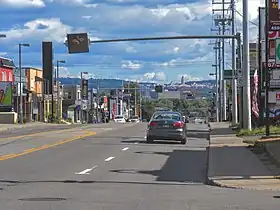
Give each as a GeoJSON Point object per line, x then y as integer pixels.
{"type": "Point", "coordinates": [131, 65]}
{"type": "Point", "coordinates": [3, 53]}
{"type": "Point", "coordinates": [189, 77]}
{"type": "Point", "coordinates": [40, 29]}
{"type": "Point", "coordinates": [155, 76]}
{"type": "Point", "coordinates": [23, 3]}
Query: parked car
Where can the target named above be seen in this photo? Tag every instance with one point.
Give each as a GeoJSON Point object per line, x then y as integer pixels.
{"type": "Point", "coordinates": [134, 119]}
{"type": "Point", "coordinates": [167, 125]}
{"type": "Point", "coordinates": [119, 119]}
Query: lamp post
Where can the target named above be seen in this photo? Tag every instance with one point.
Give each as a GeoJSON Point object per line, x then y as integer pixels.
{"type": "Point", "coordinates": [57, 86]}
{"type": "Point", "coordinates": [20, 82]}
{"type": "Point", "coordinates": [82, 112]}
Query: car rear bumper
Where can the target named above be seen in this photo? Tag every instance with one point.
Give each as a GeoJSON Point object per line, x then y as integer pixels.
{"type": "Point", "coordinates": [161, 135]}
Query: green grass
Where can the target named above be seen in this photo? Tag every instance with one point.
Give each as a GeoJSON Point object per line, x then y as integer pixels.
{"type": "Point", "coordinates": [258, 131]}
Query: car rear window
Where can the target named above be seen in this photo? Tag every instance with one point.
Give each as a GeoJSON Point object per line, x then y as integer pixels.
{"type": "Point", "coordinates": [171, 116]}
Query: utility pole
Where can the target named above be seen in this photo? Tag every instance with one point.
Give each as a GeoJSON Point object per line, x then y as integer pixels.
{"type": "Point", "coordinates": [221, 22]}
{"type": "Point", "coordinates": [217, 66]}
{"type": "Point", "coordinates": [217, 80]}
{"type": "Point", "coordinates": [234, 81]}
{"type": "Point", "coordinates": [135, 101]}
{"type": "Point", "coordinates": [246, 69]}
{"type": "Point", "coordinates": [224, 111]}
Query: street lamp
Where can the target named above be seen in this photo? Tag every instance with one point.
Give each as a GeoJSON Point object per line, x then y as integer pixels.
{"type": "Point", "coordinates": [20, 82]}
{"type": "Point", "coordinates": [82, 112]}
{"type": "Point", "coordinates": [57, 86]}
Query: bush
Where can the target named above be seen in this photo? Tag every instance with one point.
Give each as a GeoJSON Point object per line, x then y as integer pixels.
{"type": "Point", "coordinates": [258, 131]}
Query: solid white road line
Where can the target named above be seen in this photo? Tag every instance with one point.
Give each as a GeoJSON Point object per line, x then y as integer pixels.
{"type": "Point", "coordinates": [126, 148]}
{"type": "Point", "coordinates": [86, 171]}
{"type": "Point", "coordinates": [109, 158]}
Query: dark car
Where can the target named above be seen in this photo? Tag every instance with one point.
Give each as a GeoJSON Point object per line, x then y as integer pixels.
{"type": "Point", "coordinates": [167, 125]}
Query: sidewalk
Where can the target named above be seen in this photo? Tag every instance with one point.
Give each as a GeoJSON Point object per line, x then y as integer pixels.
{"type": "Point", "coordinates": [7, 127]}
{"type": "Point", "coordinates": [232, 164]}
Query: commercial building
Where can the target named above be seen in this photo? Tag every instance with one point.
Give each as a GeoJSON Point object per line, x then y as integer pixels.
{"type": "Point", "coordinates": [7, 67]}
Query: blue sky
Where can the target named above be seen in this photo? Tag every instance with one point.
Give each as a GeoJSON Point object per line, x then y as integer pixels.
{"type": "Point", "coordinates": [32, 21]}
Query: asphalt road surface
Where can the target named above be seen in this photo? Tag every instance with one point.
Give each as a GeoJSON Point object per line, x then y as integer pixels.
{"type": "Point", "coordinates": [110, 167]}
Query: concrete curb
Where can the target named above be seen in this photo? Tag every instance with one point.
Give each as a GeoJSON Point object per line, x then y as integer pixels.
{"type": "Point", "coordinates": [215, 183]}
{"type": "Point", "coordinates": [28, 126]}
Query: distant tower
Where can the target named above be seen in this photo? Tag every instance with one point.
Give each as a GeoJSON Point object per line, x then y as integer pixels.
{"type": "Point", "coordinates": [182, 80]}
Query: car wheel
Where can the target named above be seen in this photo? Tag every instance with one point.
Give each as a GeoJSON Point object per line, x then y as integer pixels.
{"type": "Point", "coordinates": [149, 140]}
{"type": "Point", "coordinates": [184, 141]}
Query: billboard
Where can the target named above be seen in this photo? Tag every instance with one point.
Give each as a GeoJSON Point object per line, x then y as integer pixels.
{"type": "Point", "coordinates": [273, 15]}
{"type": "Point", "coordinates": [6, 93]}
{"type": "Point", "coordinates": [47, 60]}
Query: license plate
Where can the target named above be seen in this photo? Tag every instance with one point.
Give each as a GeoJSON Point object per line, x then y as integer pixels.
{"type": "Point", "coordinates": [165, 126]}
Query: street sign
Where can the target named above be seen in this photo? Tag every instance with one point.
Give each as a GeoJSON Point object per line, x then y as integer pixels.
{"type": "Point", "coordinates": [273, 16]}
{"type": "Point", "coordinates": [277, 51]}
{"type": "Point", "coordinates": [78, 43]}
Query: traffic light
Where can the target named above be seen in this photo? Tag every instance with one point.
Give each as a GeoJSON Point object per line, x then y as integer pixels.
{"type": "Point", "coordinates": [158, 88]}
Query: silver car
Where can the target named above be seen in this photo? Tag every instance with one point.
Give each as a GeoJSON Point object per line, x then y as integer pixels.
{"type": "Point", "coordinates": [167, 125]}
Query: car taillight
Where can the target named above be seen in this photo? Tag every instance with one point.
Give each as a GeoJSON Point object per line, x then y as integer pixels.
{"type": "Point", "coordinates": [152, 123]}
{"type": "Point", "coordinates": [178, 124]}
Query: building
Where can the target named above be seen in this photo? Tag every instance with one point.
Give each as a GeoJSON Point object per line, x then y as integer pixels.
{"type": "Point", "coordinates": [71, 104]}
{"type": "Point", "coordinates": [34, 88]}
{"type": "Point", "coordinates": [7, 67]}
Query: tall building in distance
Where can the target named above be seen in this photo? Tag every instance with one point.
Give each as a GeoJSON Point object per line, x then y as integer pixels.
{"type": "Point", "coordinates": [182, 80]}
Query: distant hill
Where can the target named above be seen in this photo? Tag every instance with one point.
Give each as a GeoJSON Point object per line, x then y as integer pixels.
{"type": "Point", "coordinates": [115, 83]}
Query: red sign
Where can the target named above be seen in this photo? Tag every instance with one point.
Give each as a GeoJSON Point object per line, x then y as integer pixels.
{"type": "Point", "coordinates": [273, 16]}
{"type": "Point", "coordinates": [277, 96]}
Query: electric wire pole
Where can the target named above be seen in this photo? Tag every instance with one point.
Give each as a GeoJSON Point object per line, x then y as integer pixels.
{"type": "Point", "coordinates": [234, 73]}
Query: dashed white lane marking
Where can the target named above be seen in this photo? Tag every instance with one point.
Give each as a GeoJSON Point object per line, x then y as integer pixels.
{"type": "Point", "coordinates": [86, 171]}
{"type": "Point", "coordinates": [109, 158]}
{"type": "Point", "coordinates": [136, 143]}
{"type": "Point", "coordinates": [126, 148]}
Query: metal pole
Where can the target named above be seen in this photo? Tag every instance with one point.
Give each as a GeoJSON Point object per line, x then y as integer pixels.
{"type": "Point", "coordinates": [217, 83]}
{"type": "Point", "coordinates": [234, 82]}
{"type": "Point", "coordinates": [97, 102]}
{"type": "Point", "coordinates": [140, 106]}
{"type": "Point", "coordinates": [82, 112]}
{"type": "Point", "coordinates": [267, 73]}
{"type": "Point", "coordinates": [135, 101]}
{"type": "Point", "coordinates": [57, 89]}
{"type": "Point", "coordinates": [240, 96]}
{"type": "Point", "coordinates": [224, 111]}
{"type": "Point", "coordinates": [246, 68]}
{"type": "Point", "coordinates": [20, 87]}
{"type": "Point", "coordinates": [220, 79]}
{"type": "Point", "coordinates": [260, 71]}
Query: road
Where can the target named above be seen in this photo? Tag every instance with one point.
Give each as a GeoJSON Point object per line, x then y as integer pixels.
{"type": "Point", "coordinates": [110, 167]}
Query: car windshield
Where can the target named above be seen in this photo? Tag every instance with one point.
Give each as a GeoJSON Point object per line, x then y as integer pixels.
{"type": "Point", "coordinates": [173, 116]}
{"type": "Point", "coordinates": [118, 117]}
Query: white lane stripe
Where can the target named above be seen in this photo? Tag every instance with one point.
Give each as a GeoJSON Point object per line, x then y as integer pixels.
{"type": "Point", "coordinates": [109, 158]}
{"type": "Point", "coordinates": [136, 143]}
{"type": "Point", "coordinates": [86, 171]}
{"type": "Point", "coordinates": [126, 148]}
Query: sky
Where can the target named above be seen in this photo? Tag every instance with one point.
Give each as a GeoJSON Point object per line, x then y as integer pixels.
{"type": "Point", "coordinates": [34, 21]}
